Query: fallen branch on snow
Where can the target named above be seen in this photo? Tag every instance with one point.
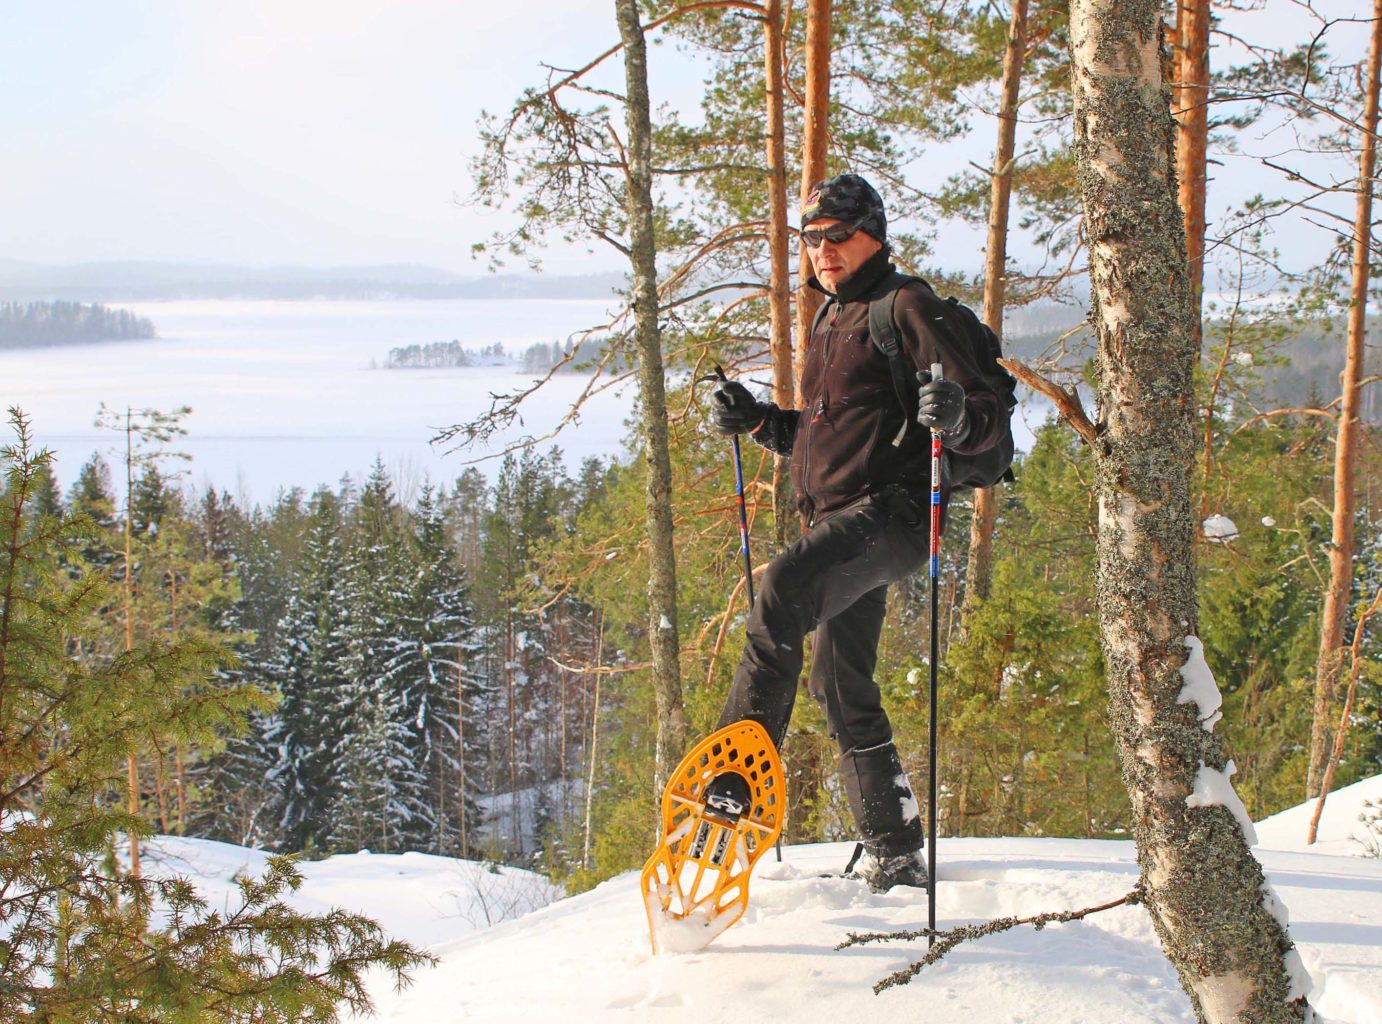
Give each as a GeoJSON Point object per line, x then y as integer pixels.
{"type": "Point", "coordinates": [948, 940]}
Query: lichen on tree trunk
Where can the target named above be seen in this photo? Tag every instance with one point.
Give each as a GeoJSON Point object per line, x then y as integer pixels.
{"type": "Point", "coordinates": [662, 575]}
{"type": "Point", "coordinates": [1205, 888]}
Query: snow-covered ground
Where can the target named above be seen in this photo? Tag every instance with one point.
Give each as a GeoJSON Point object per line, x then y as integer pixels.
{"type": "Point", "coordinates": [508, 952]}
{"type": "Point", "coordinates": [424, 899]}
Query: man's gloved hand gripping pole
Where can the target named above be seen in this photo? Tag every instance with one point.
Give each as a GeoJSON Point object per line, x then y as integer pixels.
{"type": "Point", "coordinates": [735, 410]}
{"type": "Point", "coordinates": [941, 404]}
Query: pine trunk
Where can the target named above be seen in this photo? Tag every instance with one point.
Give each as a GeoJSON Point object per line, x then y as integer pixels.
{"type": "Point", "coordinates": [132, 802]}
{"type": "Point", "coordinates": [1204, 889]}
{"type": "Point", "coordinates": [510, 650]}
{"type": "Point", "coordinates": [1192, 139]}
{"type": "Point", "coordinates": [979, 568]}
{"type": "Point", "coordinates": [815, 138]}
{"type": "Point", "coordinates": [1336, 595]}
{"type": "Point", "coordinates": [662, 573]}
{"type": "Point", "coordinates": [460, 757]}
{"type": "Point", "coordinates": [594, 743]}
{"type": "Point", "coordinates": [780, 272]}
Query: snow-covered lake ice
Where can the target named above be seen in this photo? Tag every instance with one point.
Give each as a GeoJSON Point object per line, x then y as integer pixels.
{"type": "Point", "coordinates": [285, 394]}
{"type": "Point", "coordinates": [288, 393]}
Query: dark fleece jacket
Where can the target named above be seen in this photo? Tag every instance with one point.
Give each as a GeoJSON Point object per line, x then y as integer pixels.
{"type": "Point", "coordinates": [841, 440]}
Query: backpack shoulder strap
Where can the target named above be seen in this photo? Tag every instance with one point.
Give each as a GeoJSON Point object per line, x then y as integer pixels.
{"type": "Point", "coordinates": [883, 333]}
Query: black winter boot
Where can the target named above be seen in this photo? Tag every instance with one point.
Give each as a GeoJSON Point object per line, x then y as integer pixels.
{"type": "Point", "coordinates": [728, 796]}
{"type": "Point", "coordinates": [881, 797]}
{"type": "Point", "coordinates": [882, 873]}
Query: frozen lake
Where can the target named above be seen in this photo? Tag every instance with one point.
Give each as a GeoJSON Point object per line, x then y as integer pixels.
{"type": "Point", "coordinates": [284, 394]}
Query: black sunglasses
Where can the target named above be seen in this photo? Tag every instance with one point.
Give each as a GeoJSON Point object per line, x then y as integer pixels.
{"type": "Point", "coordinates": [836, 234]}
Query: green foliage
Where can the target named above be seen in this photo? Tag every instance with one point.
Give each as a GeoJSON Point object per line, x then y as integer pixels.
{"type": "Point", "coordinates": [1024, 743]}
{"type": "Point", "coordinates": [82, 941]}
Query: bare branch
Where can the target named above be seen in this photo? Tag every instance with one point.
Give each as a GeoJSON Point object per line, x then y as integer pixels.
{"type": "Point", "coordinates": [948, 940]}
{"type": "Point", "coordinates": [1066, 400]}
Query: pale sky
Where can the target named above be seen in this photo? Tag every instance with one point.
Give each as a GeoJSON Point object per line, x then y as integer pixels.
{"type": "Point", "coordinates": [319, 132]}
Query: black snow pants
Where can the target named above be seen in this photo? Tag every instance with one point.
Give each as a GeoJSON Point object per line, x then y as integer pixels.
{"type": "Point", "coordinates": [835, 580]}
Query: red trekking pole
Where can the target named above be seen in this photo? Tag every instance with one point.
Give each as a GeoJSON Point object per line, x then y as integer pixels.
{"type": "Point", "coordinates": [935, 645]}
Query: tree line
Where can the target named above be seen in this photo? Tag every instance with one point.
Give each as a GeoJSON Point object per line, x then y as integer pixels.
{"type": "Point", "coordinates": [539, 357]}
{"type": "Point", "coordinates": [24, 324]}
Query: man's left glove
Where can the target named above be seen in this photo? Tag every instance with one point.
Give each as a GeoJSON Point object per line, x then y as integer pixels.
{"type": "Point", "coordinates": [941, 406]}
{"type": "Point", "coordinates": [734, 410]}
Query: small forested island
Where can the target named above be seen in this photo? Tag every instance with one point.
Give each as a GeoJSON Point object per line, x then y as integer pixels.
{"type": "Point", "coordinates": [536, 358]}
{"type": "Point", "coordinates": [31, 324]}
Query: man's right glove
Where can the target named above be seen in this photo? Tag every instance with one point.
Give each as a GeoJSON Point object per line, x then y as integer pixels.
{"type": "Point", "coordinates": [941, 405]}
{"type": "Point", "coordinates": [733, 410]}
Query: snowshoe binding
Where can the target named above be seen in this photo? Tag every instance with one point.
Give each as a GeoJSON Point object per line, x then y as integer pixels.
{"type": "Point", "coordinates": [722, 809]}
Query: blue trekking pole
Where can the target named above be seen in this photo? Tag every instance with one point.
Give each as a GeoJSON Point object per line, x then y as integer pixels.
{"type": "Point", "coordinates": [743, 509]}
{"type": "Point", "coordinates": [935, 644]}
{"type": "Point", "coordinates": [743, 527]}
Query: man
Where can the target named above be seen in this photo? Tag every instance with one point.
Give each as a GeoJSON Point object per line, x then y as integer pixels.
{"type": "Point", "coordinates": [862, 477]}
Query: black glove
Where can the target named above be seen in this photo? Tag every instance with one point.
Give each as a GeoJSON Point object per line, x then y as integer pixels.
{"type": "Point", "coordinates": [733, 410]}
{"type": "Point", "coordinates": [941, 405]}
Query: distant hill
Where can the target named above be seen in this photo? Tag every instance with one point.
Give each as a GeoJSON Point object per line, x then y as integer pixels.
{"type": "Point", "coordinates": [143, 281]}
{"type": "Point", "coordinates": [1302, 368]}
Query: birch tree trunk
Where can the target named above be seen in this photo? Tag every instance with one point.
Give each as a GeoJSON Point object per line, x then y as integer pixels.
{"type": "Point", "coordinates": [1205, 890]}
{"type": "Point", "coordinates": [1346, 443]}
{"type": "Point", "coordinates": [979, 568]}
{"type": "Point", "coordinates": [815, 138]}
{"type": "Point", "coordinates": [780, 272]}
{"type": "Point", "coordinates": [662, 572]}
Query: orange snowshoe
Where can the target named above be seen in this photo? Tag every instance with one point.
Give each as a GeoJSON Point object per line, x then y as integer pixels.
{"type": "Point", "coordinates": [696, 884]}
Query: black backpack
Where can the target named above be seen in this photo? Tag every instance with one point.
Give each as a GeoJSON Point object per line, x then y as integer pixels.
{"type": "Point", "coordinates": [962, 472]}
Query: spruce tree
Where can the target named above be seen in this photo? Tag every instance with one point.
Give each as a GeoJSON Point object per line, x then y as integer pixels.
{"type": "Point", "coordinates": [382, 796]}
{"type": "Point", "coordinates": [82, 941]}
{"type": "Point", "coordinates": [307, 667]}
{"type": "Point", "coordinates": [432, 669]}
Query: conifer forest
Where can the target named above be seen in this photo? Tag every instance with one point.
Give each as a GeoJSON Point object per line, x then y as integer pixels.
{"type": "Point", "coordinates": [504, 665]}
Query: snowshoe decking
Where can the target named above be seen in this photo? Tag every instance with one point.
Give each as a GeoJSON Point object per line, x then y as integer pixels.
{"type": "Point", "coordinates": [696, 884]}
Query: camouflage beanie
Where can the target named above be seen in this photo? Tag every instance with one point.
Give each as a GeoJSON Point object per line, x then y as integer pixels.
{"type": "Point", "coordinates": [849, 198]}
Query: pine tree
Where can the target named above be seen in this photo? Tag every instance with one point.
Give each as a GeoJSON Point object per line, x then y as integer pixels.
{"type": "Point", "coordinates": [93, 496]}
